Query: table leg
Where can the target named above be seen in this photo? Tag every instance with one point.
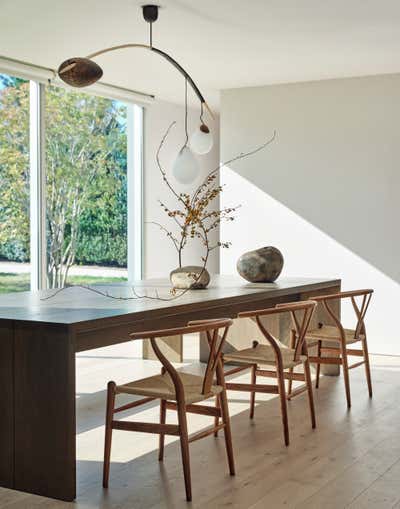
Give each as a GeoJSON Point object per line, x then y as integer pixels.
{"type": "Point", "coordinates": [44, 403]}
{"type": "Point", "coordinates": [7, 405]}
{"type": "Point", "coordinates": [240, 335]}
{"type": "Point", "coordinates": [171, 347]}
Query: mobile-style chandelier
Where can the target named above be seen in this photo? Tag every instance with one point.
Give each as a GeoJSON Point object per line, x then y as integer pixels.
{"type": "Point", "coordinates": [82, 72]}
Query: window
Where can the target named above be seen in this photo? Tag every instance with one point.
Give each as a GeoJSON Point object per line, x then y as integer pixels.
{"type": "Point", "coordinates": [70, 187]}
{"type": "Point", "coordinates": [14, 185]}
{"type": "Point", "coordinates": [86, 188]}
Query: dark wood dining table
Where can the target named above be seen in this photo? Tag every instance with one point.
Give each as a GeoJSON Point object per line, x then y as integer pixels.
{"type": "Point", "coordinates": [39, 338]}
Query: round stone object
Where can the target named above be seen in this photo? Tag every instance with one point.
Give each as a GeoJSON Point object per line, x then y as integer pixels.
{"type": "Point", "coordinates": [191, 276]}
{"type": "Point", "coordinates": [261, 265]}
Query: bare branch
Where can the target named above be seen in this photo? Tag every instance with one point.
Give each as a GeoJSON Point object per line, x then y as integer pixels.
{"type": "Point", "coordinates": [169, 234]}
{"type": "Point", "coordinates": [163, 173]}
{"type": "Point", "coordinates": [234, 159]}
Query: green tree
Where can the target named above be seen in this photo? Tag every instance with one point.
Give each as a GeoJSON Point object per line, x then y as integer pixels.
{"type": "Point", "coordinates": [14, 171]}
{"type": "Point", "coordinates": [86, 176]}
{"type": "Point", "coordinates": [84, 136]}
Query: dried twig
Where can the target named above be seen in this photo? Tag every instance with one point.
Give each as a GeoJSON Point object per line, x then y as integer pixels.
{"type": "Point", "coordinates": [135, 296]}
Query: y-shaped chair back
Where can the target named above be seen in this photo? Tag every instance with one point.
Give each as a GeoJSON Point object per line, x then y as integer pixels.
{"type": "Point", "coordinates": [216, 331]}
{"type": "Point", "coordinates": [360, 308]}
{"type": "Point", "coordinates": [360, 300]}
{"type": "Point", "coordinates": [277, 355]}
{"type": "Point", "coordinates": [301, 314]}
{"type": "Point", "coordinates": [186, 390]}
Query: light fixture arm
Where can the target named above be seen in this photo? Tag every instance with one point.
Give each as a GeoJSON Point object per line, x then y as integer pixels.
{"type": "Point", "coordinates": [81, 72]}
{"type": "Point", "coordinates": [159, 52]}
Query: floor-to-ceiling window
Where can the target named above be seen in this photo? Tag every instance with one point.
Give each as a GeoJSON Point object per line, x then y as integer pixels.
{"type": "Point", "coordinates": [86, 188]}
{"type": "Point", "coordinates": [14, 184]}
{"type": "Point", "coordinates": [70, 179]}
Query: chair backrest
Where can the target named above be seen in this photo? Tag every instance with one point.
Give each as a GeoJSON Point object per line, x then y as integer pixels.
{"type": "Point", "coordinates": [301, 314]}
{"type": "Point", "coordinates": [360, 307]}
{"type": "Point", "coordinates": [216, 332]}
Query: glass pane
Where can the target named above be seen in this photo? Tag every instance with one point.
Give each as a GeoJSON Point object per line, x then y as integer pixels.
{"type": "Point", "coordinates": [86, 166]}
{"type": "Point", "coordinates": [14, 185]}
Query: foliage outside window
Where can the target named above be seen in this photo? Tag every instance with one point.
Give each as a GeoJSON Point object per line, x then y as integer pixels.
{"type": "Point", "coordinates": [14, 169]}
{"type": "Point", "coordinates": [86, 180]}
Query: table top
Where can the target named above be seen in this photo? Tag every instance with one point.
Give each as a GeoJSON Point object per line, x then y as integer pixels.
{"type": "Point", "coordinates": [76, 304]}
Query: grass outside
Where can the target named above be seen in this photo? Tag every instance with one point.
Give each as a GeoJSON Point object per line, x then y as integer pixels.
{"type": "Point", "coordinates": [10, 282]}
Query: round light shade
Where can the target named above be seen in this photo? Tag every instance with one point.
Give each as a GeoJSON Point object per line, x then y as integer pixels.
{"type": "Point", "coordinates": [185, 168]}
{"type": "Point", "coordinates": [79, 72]}
{"type": "Point", "coordinates": [201, 141]}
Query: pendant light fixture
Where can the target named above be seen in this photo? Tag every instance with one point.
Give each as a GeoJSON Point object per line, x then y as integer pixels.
{"type": "Point", "coordinates": [201, 140]}
{"type": "Point", "coordinates": [83, 71]}
{"type": "Point", "coordinates": [185, 168]}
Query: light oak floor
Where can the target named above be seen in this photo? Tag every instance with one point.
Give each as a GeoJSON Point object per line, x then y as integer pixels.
{"type": "Point", "coordinates": [351, 460]}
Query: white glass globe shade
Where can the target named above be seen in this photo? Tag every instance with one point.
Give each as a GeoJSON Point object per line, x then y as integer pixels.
{"type": "Point", "coordinates": [185, 168]}
{"type": "Point", "coordinates": [201, 141]}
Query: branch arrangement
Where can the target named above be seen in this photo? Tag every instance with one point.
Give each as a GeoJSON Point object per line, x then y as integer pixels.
{"type": "Point", "coordinates": [192, 217]}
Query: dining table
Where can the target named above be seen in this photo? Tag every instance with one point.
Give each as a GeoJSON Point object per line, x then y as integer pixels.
{"type": "Point", "coordinates": [41, 332]}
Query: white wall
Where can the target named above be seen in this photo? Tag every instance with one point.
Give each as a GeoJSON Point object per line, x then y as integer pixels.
{"type": "Point", "coordinates": [326, 192]}
{"type": "Point", "coordinates": [159, 254]}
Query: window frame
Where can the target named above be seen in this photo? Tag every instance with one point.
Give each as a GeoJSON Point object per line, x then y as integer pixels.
{"type": "Point", "coordinates": [37, 174]}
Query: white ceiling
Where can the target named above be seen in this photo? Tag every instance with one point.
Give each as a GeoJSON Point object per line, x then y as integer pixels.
{"type": "Point", "coordinates": [221, 43]}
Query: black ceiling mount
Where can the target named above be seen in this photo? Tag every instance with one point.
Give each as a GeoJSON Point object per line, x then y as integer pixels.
{"type": "Point", "coordinates": [150, 13]}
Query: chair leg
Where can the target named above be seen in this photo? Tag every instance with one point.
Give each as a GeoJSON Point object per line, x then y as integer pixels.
{"type": "Point", "coordinates": [346, 377]}
{"type": "Point", "coordinates": [227, 431]}
{"type": "Point", "coordinates": [184, 448]}
{"type": "Point", "coordinates": [292, 345]}
{"type": "Point", "coordinates": [307, 373]}
{"type": "Point", "coordinates": [163, 415]}
{"type": "Point", "coordinates": [318, 365]}
{"type": "Point", "coordinates": [367, 366]}
{"type": "Point", "coordinates": [108, 432]}
{"type": "Point", "coordinates": [282, 395]}
{"type": "Point", "coordinates": [216, 419]}
{"type": "Point", "coordinates": [253, 393]}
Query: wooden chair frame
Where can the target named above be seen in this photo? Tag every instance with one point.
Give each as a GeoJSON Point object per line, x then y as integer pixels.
{"type": "Point", "coordinates": [301, 314]}
{"type": "Point", "coordinates": [214, 368]}
{"type": "Point", "coordinates": [342, 351]}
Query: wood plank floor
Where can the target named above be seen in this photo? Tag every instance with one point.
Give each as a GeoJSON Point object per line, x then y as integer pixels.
{"type": "Point", "coordinates": [351, 460]}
